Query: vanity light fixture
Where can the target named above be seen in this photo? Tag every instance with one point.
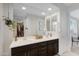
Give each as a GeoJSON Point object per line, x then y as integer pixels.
{"type": "Point", "coordinates": [49, 9]}
{"type": "Point", "coordinates": [43, 13]}
{"type": "Point", "coordinates": [23, 8]}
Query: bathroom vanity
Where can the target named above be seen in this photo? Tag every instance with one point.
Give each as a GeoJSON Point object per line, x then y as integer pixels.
{"type": "Point", "coordinates": [30, 46]}
{"type": "Point", "coordinates": [35, 47]}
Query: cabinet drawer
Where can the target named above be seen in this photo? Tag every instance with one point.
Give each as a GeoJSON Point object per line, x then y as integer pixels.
{"type": "Point", "coordinates": [42, 44]}
{"type": "Point", "coordinates": [52, 41]}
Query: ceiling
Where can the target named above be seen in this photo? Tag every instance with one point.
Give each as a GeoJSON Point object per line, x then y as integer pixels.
{"type": "Point", "coordinates": [75, 14]}
{"type": "Point", "coordinates": [35, 9]}
{"type": "Point", "coordinates": [73, 9]}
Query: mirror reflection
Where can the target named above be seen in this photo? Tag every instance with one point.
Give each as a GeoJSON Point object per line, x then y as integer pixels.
{"type": "Point", "coordinates": [33, 21]}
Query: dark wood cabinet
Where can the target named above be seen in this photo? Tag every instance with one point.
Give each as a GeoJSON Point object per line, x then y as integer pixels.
{"type": "Point", "coordinates": [47, 48]}
{"type": "Point", "coordinates": [19, 51]}
{"type": "Point", "coordinates": [43, 49]}
{"type": "Point", "coordinates": [33, 50]}
{"type": "Point", "coordinates": [52, 47]}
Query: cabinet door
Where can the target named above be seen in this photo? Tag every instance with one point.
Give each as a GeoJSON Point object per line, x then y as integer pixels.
{"type": "Point", "coordinates": [53, 48]}
{"type": "Point", "coordinates": [19, 51]}
{"type": "Point", "coordinates": [33, 50]}
{"type": "Point", "coordinates": [43, 49]}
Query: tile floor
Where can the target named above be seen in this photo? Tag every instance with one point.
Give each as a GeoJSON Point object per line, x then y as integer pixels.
{"type": "Point", "coordinates": [74, 51]}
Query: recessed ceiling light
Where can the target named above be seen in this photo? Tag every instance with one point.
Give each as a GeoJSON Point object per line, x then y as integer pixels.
{"type": "Point", "coordinates": [23, 8]}
{"type": "Point", "coordinates": [43, 13]}
{"type": "Point", "coordinates": [49, 9]}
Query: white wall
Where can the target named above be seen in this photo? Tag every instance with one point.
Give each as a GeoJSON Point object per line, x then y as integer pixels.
{"type": "Point", "coordinates": [78, 26]}
{"type": "Point", "coordinates": [64, 34]}
{"type": "Point", "coordinates": [7, 33]}
{"type": "Point", "coordinates": [64, 40]}
{"type": "Point", "coordinates": [8, 9]}
{"type": "Point", "coordinates": [1, 29]}
{"type": "Point", "coordinates": [8, 37]}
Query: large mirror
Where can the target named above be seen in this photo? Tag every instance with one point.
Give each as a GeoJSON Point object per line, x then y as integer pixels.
{"type": "Point", "coordinates": [34, 19]}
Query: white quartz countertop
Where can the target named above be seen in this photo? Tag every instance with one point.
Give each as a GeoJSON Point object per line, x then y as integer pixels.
{"type": "Point", "coordinates": [30, 40]}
